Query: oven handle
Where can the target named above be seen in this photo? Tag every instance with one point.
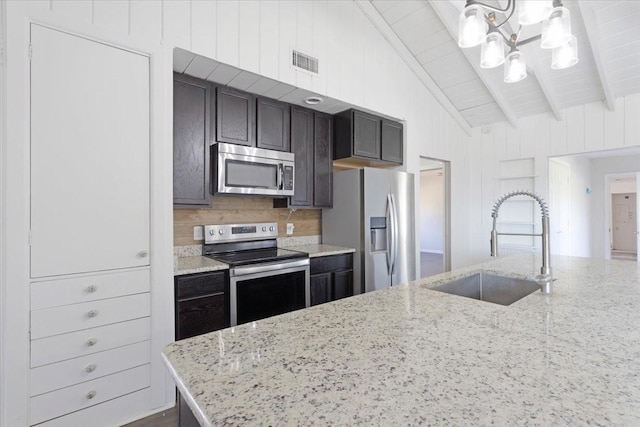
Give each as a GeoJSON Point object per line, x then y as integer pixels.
{"type": "Point", "coordinates": [272, 267]}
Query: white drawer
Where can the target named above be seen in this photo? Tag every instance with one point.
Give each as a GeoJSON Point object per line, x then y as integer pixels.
{"type": "Point", "coordinates": [89, 341]}
{"type": "Point", "coordinates": [114, 412]}
{"type": "Point", "coordinates": [69, 372]}
{"type": "Point", "coordinates": [54, 293]}
{"type": "Point", "coordinates": [69, 318]}
{"type": "Point", "coordinates": [60, 402]}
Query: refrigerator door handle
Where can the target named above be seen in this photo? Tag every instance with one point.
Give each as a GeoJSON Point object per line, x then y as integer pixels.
{"type": "Point", "coordinates": [389, 215]}
{"type": "Point", "coordinates": [394, 232]}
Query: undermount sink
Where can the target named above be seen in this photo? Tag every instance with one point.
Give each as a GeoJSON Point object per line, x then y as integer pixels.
{"type": "Point", "coordinates": [490, 287]}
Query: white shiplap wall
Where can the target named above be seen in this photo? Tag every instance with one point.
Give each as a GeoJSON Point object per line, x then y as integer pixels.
{"type": "Point", "coordinates": [357, 66]}
{"type": "Point", "coordinates": [585, 128]}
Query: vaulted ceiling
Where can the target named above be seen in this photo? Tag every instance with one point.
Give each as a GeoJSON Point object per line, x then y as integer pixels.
{"type": "Point", "coordinates": [608, 33]}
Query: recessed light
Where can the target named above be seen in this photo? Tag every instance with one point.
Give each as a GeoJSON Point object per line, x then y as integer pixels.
{"type": "Point", "coordinates": [313, 100]}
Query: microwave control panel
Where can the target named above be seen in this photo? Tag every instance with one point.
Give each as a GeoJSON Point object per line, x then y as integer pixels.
{"type": "Point", "coordinates": [287, 179]}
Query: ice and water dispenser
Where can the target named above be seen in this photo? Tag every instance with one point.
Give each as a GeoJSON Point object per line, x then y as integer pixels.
{"type": "Point", "coordinates": [378, 230]}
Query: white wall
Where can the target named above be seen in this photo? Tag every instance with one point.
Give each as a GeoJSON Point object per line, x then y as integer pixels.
{"type": "Point", "coordinates": [580, 205]}
{"type": "Point", "coordinates": [432, 211]}
{"type": "Point", "coordinates": [600, 221]}
{"type": "Point", "coordinates": [359, 67]}
{"type": "Point", "coordinates": [585, 128]}
{"type": "Point", "coordinates": [623, 186]}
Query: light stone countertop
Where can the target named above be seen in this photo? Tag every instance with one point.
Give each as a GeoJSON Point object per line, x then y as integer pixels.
{"type": "Point", "coordinates": [320, 250]}
{"type": "Point", "coordinates": [409, 355]}
{"type": "Point", "coordinates": [196, 264]}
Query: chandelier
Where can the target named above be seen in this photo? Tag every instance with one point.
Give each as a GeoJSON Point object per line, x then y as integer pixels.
{"type": "Point", "coordinates": [475, 27]}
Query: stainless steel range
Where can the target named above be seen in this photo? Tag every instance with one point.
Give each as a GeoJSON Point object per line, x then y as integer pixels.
{"type": "Point", "coordinates": [264, 280]}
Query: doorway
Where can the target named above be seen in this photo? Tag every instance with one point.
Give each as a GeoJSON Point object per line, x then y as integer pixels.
{"type": "Point", "coordinates": [624, 217]}
{"type": "Point", "coordinates": [434, 214]}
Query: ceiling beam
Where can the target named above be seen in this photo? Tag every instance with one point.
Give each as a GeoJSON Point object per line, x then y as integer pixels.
{"type": "Point", "coordinates": [592, 29]}
{"type": "Point", "coordinates": [387, 32]}
{"type": "Point", "coordinates": [448, 14]}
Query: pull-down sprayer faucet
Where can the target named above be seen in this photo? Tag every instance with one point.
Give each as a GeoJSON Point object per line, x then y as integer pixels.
{"type": "Point", "coordinates": [545, 277]}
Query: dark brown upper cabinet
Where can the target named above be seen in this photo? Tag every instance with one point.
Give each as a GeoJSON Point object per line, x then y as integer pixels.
{"type": "Point", "coordinates": [273, 124]}
{"type": "Point", "coordinates": [302, 147]}
{"type": "Point", "coordinates": [312, 144]}
{"type": "Point", "coordinates": [323, 161]}
{"type": "Point", "coordinates": [364, 139]}
{"type": "Point", "coordinates": [235, 117]}
{"type": "Point", "coordinates": [191, 140]}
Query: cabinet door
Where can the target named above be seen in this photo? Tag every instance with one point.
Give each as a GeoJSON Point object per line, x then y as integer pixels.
{"type": "Point", "coordinates": [200, 315]}
{"type": "Point", "coordinates": [89, 155]}
{"type": "Point", "coordinates": [302, 147]}
{"type": "Point", "coordinates": [320, 286]}
{"type": "Point", "coordinates": [273, 124]}
{"type": "Point", "coordinates": [391, 141]}
{"type": "Point", "coordinates": [191, 127]}
{"type": "Point", "coordinates": [323, 161]}
{"type": "Point", "coordinates": [366, 135]}
{"type": "Point", "coordinates": [342, 285]}
{"type": "Point", "coordinates": [235, 117]}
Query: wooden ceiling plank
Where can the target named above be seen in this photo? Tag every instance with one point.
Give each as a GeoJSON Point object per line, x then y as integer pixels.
{"type": "Point", "coordinates": [387, 32]}
{"type": "Point", "coordinates": [593, 33]}
{"type": "Point", "coordinates": [449, 17]}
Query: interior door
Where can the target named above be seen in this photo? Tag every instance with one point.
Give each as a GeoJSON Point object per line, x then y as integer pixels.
{"type": "Point", "coordinates": [89, 155]}
{"type": "Point", "coordinates": [559, 205]}
{"type": "Point", "coordinates": [624, 222]}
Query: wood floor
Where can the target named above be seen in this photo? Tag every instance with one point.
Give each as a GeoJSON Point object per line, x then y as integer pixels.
{"type": "Point", "coordinates": [168, 418]}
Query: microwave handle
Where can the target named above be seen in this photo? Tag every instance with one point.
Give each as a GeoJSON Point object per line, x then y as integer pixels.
{"type": "Point", "coordinates": [280, 176]}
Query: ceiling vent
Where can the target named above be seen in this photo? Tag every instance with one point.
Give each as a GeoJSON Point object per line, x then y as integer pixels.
{"type": "Point", "coordinates": [304, 61]}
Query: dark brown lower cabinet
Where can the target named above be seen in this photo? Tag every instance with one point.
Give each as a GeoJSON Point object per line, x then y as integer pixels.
{"type": "Point", "coordinates": [331, 278]}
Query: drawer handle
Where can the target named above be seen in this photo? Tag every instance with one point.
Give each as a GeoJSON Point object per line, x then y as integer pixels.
{"type": "Point", "coordinates": [92, 288]}
{"type": "Point", "coordinates": [143, 254]}
{"type": "Point", "coordinates": [91, 342]}
{"type": "Point", "coordinates": [92, 313]}
{"type": "Point", "coordinates": [91, 368]}
{"type": "Point", "coordinates": [91, 394]}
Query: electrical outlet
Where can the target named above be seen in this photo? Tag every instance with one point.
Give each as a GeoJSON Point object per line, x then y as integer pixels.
{"type": "Point", "coordinates": [198, 232]}
{"type": "Point", "coordinates": [290, 228]}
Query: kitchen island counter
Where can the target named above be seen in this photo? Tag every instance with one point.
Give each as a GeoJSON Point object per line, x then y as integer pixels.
{"type": "Point", "coordinates": [320, 250]}
{"type": "Point", "coordinates": [409, 355]}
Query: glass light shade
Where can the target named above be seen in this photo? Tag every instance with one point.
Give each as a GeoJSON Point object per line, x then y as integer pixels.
{"type": "Point", "coordinates": [472, 27]}
{"type": "Point", "coordinates": [492, 52]}
{"type": "Point", "coordinates": [556, 30]}
{"type": "Point", "coordinates": [534, 11]}
{"type": "Point", "coordinates": [566, 55]}
{"type": "Point", "coordinates": [515, 69]}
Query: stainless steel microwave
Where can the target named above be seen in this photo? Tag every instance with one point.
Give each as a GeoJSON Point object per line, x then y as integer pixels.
{"type": "Point", "coordinates": [237, 169]}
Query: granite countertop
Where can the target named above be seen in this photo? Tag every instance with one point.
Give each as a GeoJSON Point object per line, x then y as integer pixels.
{"type": "Point", "coordinates": [320, 250]}
{"type": "Point", "coordinates": [409, 355]}
{"type": "Point", "coordinates": [196, 264]}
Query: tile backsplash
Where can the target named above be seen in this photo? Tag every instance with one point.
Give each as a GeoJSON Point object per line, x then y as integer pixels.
{"type": "Point", "coordinates": [234, 210]}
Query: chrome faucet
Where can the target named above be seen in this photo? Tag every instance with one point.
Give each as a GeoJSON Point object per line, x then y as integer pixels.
{"type": "Point", "coordinates": [545, 278]}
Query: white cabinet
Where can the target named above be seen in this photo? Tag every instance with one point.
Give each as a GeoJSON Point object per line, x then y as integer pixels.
{"type": "Point", "coordinates": [89, 155]}
{"type": "Point", "coordinates": [90, 291]}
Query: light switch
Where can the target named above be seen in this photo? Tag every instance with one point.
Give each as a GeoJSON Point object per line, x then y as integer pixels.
{"type": "Point", "coordinates": [290, 228]}
{"type": "Point", "coordinates": [198, 232]}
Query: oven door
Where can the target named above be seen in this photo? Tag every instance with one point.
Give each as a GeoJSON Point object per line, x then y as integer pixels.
{"type": "Point", "coordinates": [265, 290]}
{"type": "Point", "coordinates": [243, 174]}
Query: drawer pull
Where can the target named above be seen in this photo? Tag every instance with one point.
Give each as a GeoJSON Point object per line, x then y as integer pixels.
{"type": "Point", "coordinates": [91, 342]}
{"type": "Point", "coordinates": [92, 313]}
{"type": "Point", "coordinates": [143, 254]}
{"type": "Point", "coordinates": [92, 288]}
{"type": "Point", "coordinates": [91, 368]}
{"type": "Point", "coordinates": [91, 394]}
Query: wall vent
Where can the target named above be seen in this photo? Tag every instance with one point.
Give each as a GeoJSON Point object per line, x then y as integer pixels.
{"type": "Point", "coordinates": [304, 61]}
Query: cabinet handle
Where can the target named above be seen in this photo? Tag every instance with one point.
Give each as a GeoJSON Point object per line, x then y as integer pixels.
{"type": "Point", "coordinates": [91, 342]}
{"type": "Point", "coordinates": [91, 394]}
{"type": "Point", "coordinates": [143, 254]}
{"type": "Point", "coordinates": [92, 313]}
{"type": "Point", "coordinates": [91, 368]}
{"type": "Point", "coordinates": [92, 288]}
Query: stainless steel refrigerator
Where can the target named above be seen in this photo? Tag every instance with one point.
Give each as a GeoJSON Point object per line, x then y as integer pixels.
{"type": "Point", "coordinates": [373, 212]}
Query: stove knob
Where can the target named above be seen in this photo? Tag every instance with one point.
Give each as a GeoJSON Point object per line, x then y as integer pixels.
{"type": "Point", "coordinates": [264, 228]}
{"type": "Point", "coordinates": [212, 232]}
{"type": "Point", "coordinates": [271, 228]}
{"type": "Point", "coordinates": [221, 231]}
